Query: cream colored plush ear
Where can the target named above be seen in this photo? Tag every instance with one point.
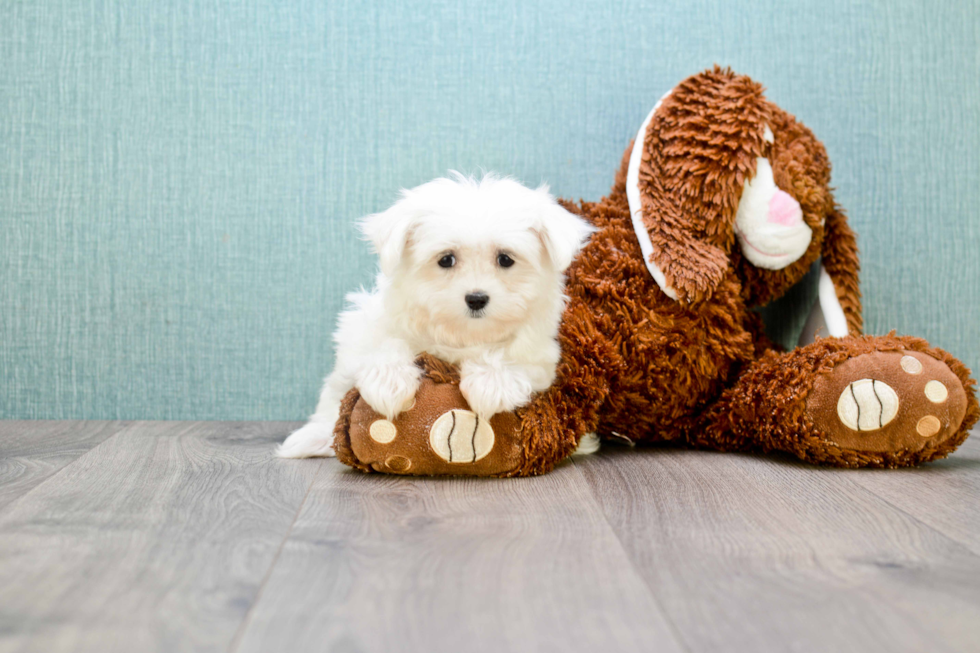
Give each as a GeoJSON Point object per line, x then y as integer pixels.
{"type": "Point", "coordinates": [839, 257]}
{"type": "Point", "coordinates": [837, 312]}
{"type": "Point", "coordinates": [827, 316]}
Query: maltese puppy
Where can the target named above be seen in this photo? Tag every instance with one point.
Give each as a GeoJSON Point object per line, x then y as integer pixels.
{"type": "Point", "coordinates": [472, 272]}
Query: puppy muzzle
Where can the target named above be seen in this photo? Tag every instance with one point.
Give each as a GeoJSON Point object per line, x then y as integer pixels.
{"type": "Point", "coordinates": [476, 302]}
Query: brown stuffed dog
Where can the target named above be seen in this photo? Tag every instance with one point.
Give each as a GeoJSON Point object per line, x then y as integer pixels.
{"type": "Point", "coordinates": [722, 205]}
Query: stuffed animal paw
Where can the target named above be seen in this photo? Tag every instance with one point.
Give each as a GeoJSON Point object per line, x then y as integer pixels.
{"type": "Point", "coordinates": [894, 404]}
{"type": "Point", "coordinates": [438, 436]}
{"type": "Point", "coordinates": [859, 401]}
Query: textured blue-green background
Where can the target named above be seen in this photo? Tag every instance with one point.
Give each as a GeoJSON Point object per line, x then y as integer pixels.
{"type": "Point", "coordinates": [178, 179]}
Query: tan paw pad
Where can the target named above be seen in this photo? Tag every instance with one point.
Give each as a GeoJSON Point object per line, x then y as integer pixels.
{"type": "Point", "coordinates": [460, 436]}
{"type": "Point", "coordinates": [398, 464]}
{"type": "Point", "coordinates": [382, 431]}
{"type": "Point", "coordinates": [911, 365]}
{"type": "Point", "coordinates": [936, 392]}
{"type": "Point", "coordinates": [867, 405]}
{"type": "Point", "coordinates": [928, 426]}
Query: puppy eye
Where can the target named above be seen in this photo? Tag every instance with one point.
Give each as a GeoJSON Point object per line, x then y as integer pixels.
{"type": "Point", "coordinates": [504, 261]}
{"type": "Point", "coordinates": [447, 261]}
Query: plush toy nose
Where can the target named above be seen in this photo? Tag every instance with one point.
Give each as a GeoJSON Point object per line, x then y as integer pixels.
{"type": "Point", "coordinates": [785, 210]}
{"type": "Point", "coordinates": [477, 300]}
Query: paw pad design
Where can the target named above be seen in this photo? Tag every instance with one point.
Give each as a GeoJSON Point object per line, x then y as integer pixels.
{"type": "Point", "coordinates": [888, 402]}
{"type": "Point", "coordinates": [399, 464]}
{"type": "Point", "coordinates": [911, 365]}
{"type": "Point", "coordinates": [867, 405]}
{"type": "Point", "coordinates": [382, 431]}
{"type": "Point", "coordinates": [928, 426]}
{"type": "Point", "coordinates": [460, 436]}
{"type": "Point", "coordinates": [936, 392]}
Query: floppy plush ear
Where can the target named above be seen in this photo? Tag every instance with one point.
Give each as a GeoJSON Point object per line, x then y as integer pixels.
{"type": "Point", "coordinates": [840, 260]}
{"type": "Point", "coordinates": [837, 311]}
{"type": "Point", "coordinates": [689, 162]}
{"type": "Point", "coordinates": [388, 233]}
{"type": "Point", "coordinates": [562, 232]}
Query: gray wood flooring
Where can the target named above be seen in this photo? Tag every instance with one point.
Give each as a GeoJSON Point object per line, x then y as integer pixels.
{"type": "Point", "coordinates": [190, 536]}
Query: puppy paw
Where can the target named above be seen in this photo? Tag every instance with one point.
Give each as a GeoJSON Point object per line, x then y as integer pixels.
{"type": "Point", "coordinates": [390, 389]}
{"type": "Point", "coordinates": [491, 390]}
{"type": "Point", "coordinates": [313, 439]}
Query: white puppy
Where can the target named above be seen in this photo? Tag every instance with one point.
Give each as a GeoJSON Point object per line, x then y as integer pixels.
{"type": "Point", "coordinates": [472, 272]}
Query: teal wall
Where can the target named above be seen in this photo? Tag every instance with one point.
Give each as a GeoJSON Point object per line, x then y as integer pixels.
{"type": "Point", "coordinates": [179, 179]}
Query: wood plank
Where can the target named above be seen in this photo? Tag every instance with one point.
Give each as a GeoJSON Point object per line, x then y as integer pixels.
{"type": "Point", "coordinates": [158, 539]}
{"type": "Point", "coordinates": [33, 451]}
{"type": "Point", "coordinates": [944, 494]}
{"type": "Point", "coordinates": [760, 554]}
{"type": "Point", "coordinates": [378, 563]}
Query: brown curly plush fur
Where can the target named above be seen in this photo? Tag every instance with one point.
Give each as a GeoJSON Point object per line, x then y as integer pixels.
{"type": "Point", "coordinates": [699, 371]}
{"type": "Point", "coordinates": [700, 148]}
{"type": "Point", "coordinates": [639, 364]}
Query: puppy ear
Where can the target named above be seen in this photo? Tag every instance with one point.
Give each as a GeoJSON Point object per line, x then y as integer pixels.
{"type": "Point", "coordinates": [563, 233]}
{"type": "Point", "coordinates": [389, 232]}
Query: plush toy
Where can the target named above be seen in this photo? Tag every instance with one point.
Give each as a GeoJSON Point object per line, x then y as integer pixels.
{"type": "Point", "coordinates": [721, 205]}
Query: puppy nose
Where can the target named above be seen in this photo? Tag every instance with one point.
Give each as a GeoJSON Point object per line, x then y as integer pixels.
{"type": "Point", "coordinates": [785, 210]}
{"type": "Point", "coordinates": [477, 300]}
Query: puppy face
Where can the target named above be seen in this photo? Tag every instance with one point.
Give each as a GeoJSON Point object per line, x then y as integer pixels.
{"type": "Point", "coordinates": [471, 261]}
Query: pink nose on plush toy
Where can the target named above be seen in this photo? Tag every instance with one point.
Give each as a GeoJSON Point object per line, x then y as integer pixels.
{"type": "Point", "coordinates": [784, 210]}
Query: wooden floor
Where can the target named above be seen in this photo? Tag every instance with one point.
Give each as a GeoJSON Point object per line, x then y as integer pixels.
{"type": "Point", "coordinates": [187, 536]}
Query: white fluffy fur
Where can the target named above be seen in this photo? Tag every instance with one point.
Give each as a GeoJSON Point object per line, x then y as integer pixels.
{"type": "Point", "coordinates": [505, 352]}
